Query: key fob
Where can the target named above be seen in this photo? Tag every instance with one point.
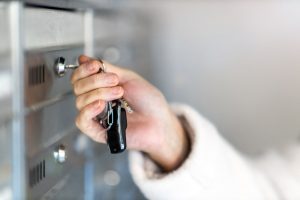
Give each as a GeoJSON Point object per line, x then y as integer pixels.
{"type": "Point", "coordinates": [116, 135]}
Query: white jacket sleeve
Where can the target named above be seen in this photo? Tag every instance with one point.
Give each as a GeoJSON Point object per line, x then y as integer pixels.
{"type": "Point", "coordinates": [215, 170]}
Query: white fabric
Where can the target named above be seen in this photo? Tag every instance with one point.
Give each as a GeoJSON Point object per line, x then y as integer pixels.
{"type": "Point", "coordinates": [215, 170]}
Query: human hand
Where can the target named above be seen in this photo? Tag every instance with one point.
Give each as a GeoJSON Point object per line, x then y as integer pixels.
{"type": "Point", "coordinates": [152, 128]}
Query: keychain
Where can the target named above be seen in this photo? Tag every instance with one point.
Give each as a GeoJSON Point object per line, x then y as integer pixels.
{"type": "Point", "coordinates": [113, 118]}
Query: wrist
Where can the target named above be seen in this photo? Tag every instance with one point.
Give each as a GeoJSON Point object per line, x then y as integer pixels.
{"type": "Point", "coordinates": [173, 147]}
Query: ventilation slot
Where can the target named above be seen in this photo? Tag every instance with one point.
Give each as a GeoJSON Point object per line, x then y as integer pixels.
{"type": "Point", "coordinates": [36, 75]}
{"type": "Point", "coordinates": [37, 173]}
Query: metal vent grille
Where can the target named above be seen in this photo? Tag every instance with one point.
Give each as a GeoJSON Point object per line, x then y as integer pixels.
{"type": "Point", "coordinates": [36, 75]}
{"type": "Point", "coordinates": [37, 173]}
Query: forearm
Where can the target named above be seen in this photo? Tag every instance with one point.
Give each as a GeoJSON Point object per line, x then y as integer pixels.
{"type": "Point", "coordinates": [174, 148]}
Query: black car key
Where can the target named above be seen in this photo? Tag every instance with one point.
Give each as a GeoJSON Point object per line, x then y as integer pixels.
{"type": "Point", "coordinates": [116, 134]}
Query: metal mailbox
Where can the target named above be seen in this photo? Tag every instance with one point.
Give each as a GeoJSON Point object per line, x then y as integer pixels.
{"type": "Point", "coordinates": [43, 154]}
{"type": "Point", "coordinates": [52, 160]}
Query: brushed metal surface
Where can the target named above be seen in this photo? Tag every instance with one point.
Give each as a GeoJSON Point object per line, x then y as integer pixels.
{"type": "Point", "coordinates": [5, 106]}
{"type": "Point", "coordinates": [48, 28]}
{"type": "Point", "coordinates": [5, 95]}
{"type": "Point", "coordinates": [50, 110]}
{"type": "Point", "coordinates": [4, 33]}
{"type": "Point", "coordinates": [50, 178]}
{"type": "Point", "coordinates": [5, 67]}
{"type": "Point", "coordinates": [47, 125]}
{"type": "Point", "coordinates": [70, 186]}
{"type": "Point", "coordinates": [18, 136]}
{"type": "Point", "coordinates": [5, 160]}
{"type": "Point", "coordinates": [46, 84]}
{"type": "Point", "coordinates": [46, 111]}
{"type": "Point", "coordinates": [49, 101]}
{"type": "Point", "coordinates": [5, 84]}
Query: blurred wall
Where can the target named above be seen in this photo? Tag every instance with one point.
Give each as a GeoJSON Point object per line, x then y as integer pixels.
{"type": "Point", "coordinates": [237, 62]}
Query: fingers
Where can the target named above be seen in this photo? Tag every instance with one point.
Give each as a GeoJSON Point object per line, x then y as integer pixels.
{"type": "Point", "coordinates": [86, 69]}
{"type": "Point", "coordinates": [86, 123]}
{"type": "Point", "coordinates": [89, 66]}
{"type": "Point", "coordinates": [105, 94]}
{"type": "Point", "coordinates": [95, 81]}
{"type": "Point", "coordinates": [82, 59]}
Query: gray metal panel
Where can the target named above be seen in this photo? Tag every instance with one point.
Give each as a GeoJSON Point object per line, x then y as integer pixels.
{"type": "Point", "coordinates": [47, 177]}
{"type": "Point", "coordinates": [71, 4]}
{"type": "Point", "coordinates": [4, 33]}
{"type": "Point", "coordinates": [47, 28]}
{"type": "Point", "coordinates": [5, 160]}
{"type": "Point", "coordinates": [45, 114]}
{"type": "Point", "coordinates": [18, 137]}
{"type": "Point", "coordinates": [70, 187]}
{"type": "Point", "coordinates": [5, 92]}
{"type": "Point", "coordinates": [41, 82]}
{"type": "Point", "coordinates": [49, 101]}
{"type": "Point", "coordinates": [48, 124]}
{"type": "Point", "coordinates": [5, 106]}
{"type": "Point", "coordinates": [5, 67]}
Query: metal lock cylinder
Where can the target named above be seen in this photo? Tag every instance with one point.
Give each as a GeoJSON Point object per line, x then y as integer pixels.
{"type": "Point", "coordinates": [59, 154]}
{"type": "Point", "coordinates": [61, 67]}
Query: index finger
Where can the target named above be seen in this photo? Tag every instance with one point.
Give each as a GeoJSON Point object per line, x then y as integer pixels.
{"type": "Point", "coordinates": [86, 62]}
{"type": "Point", "coordinates": [86, 69]}
{"type": "Point", "coordinates": [83, 58]}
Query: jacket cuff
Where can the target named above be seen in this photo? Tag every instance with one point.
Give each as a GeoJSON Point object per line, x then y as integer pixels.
{"type": "Point", "coordinates": [154, 183]}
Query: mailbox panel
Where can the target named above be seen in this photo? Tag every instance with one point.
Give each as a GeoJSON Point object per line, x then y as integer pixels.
{"type": "Point", "coordinates": [53, 163]}
{"type": "Point", "coordinates": [46, 28]}
{"type": "Point", "coordinates": [47, 176]}
{"type": "Point", "coordinates": [41, 82]}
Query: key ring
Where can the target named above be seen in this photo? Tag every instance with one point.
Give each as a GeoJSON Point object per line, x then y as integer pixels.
{"type": "Point", "coordinates": [103, 68]}
{"type": "Point", "coordinates": [109, 117]}
{"type": "Point", "coordinates": [123, 101]}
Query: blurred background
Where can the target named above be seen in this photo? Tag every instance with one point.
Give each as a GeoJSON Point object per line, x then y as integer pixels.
{"type": "Point", "coordinates": [236, 62]}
